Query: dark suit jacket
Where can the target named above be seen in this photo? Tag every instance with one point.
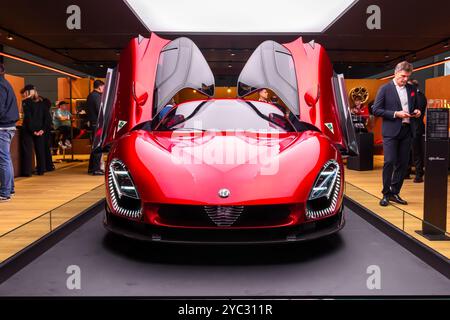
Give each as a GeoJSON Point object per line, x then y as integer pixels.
{"type": "Point", "coordinates": [93, 106]}
{"type": "Point", "coordinates": [418, 127]}
{"type": "Point", "coordinates": [387, 103]}
{"type": "Point", "coordinates": [9, 113]}
{"type": "Point", "coordinates": [35, 115]}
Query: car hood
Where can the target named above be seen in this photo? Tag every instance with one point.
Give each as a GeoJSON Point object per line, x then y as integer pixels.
{"type": "Point", "coordinates": [191, 167]}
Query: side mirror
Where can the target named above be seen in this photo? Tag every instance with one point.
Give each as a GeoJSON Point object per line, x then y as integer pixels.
{"type": "Point", "coordinates": [312, 96]}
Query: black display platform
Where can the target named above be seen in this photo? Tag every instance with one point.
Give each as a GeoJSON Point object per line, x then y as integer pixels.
{"type": "Point", "coordinates": [337, 265]}
{"type": "Point", "coordinates": [363, 161]}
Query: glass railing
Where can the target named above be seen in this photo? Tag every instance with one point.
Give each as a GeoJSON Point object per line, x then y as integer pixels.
{"type": "Point", "coordinates": [24, 235]}
{"type": "Point", "coordinates": [399, 217]}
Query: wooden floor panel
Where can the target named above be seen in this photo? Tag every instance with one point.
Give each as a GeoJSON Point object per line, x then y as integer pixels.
{"type": "Point", "coordinates": [42, 203]}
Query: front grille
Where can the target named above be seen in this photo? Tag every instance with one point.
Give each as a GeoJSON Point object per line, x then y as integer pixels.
{"type": "Point", "coordinates": [224, 216]}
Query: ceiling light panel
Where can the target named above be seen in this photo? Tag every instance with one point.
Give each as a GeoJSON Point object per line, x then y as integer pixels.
{"type": "Point", "coordinates": [237, 16]}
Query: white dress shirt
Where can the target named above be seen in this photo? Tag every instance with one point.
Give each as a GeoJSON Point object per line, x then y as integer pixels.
{"type": "Point", "coordinates": [403, 95]}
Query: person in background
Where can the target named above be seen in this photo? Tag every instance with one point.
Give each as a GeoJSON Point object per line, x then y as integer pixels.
{"type": "Point", "coordinates": [359, 108]}
{"type": "Point", "coordinates": [93, 109]}
{"type": "Point", "coordinates": [263, 95]}
{"type": "Point", "coordinates": [62, 122]}
{"type": "Point", "coordinates": [418, 129]}
{"type": "Point", "coordinates": [34, 125]}
{"type": "Point", "coordinates": [9, 114]}
{"type": "Point", "coordinates": [396, 104]}
{"type": "Point", "coordinates": [166, 109]}
{"type": "Point", "coordinates": [360, 115]}
{"type": "Point", "coordinates": [49, 166]}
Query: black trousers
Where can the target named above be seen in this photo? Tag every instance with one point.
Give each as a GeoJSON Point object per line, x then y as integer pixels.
{"type": "Point", "coordinates": [48, 150]}
{"type": "Point", "coordinates": [418, 154]}
{"type": "Point", "coordinates": [396, 157]}
{"type": "Point", "coordinates": [28, 140]}
{"type": "Point", "coordinates": [96, 156]}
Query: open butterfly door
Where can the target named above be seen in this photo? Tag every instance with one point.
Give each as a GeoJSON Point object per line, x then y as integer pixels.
{"type": "Point", "coordinates": [345, 120]}
{"type": "Point", "coordinates": [150, 72]}
{"type": "Point", "coordinates": [302, 76]}
{"type": "Point", "coordinates": [106, 107]}
{"type": "Point", "coordinates": [181, 65]}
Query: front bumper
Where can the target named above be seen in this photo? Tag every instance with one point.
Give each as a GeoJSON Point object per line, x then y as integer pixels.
{"type": "Point", "coordinates": [146, 232]}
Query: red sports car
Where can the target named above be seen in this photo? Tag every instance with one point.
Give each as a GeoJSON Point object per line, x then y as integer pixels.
{"type": "Point", "coordinates": [224, 170]}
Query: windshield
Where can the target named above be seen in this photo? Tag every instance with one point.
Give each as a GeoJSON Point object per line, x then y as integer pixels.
{"type": "Point", "coordinates": [225, 115]}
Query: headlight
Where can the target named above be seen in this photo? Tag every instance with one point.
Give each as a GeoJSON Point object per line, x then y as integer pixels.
{"type": "Point", "coordinates": [122, 180]}
{"type": "Point", "coordinates": [325, 181]}
{"type": "Point", "coordinates": [123, 193]}
{"type": "Point", "coordinates": [323, 197]}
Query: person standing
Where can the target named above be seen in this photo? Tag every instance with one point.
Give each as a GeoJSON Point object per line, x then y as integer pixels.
{"type": "Point", "coordinates": [93, 109]}
{"type": "Point", "coordinates": [396, 104]}
{"type": "Point", "coordinates": [49, 166]}
{"type": "Point", "coordinates": [34, 127]}
{"type": "Point", "coordinates": [9, 114]}
{"type": "Point", "coordinates": [418, 129]}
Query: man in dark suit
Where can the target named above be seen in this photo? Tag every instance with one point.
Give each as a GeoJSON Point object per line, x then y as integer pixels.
{"type": "Point", "coordinates": [418, 130]}
{"type": "Point", "coordinates": [396, 104]}
{"type": "Point", "coordinates": [93, 108]}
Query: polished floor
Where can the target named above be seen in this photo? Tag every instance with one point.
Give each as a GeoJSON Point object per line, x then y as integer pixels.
{"type": "Point", "coordinates": [365, 188]}
{"type": "Point", "coordinates": [341, 264]}
{"type": "Point", "coordinates": [42, 203]}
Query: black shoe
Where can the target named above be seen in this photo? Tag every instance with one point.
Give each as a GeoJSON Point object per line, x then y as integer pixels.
{"type": "Point", "coordinates": [396, 198]}
{"type": "Point", "coordinates": [385, 201]}
{"type": "Point", "coordinates": [40, 173]}
{"type": "Point", "coordinates": [4, 199]}
{"type": "Point", "coordinates": [418, 179]}
{"type": "Point", "coordinates": [98, 173]}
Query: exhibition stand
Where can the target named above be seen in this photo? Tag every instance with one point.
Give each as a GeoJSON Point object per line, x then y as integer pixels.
{"type": "Point", "coordinates": [436, 180]}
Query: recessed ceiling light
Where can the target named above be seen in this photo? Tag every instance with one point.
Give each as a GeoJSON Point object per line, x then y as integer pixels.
{"type": "Point", "coordinates": [238, 16]}
{"type": "Point", "coordinates": [10, 37]}
{"type": "Point", "coordinates": [230, 66]}
{"type": "Point", "coordinates": [232, 54]}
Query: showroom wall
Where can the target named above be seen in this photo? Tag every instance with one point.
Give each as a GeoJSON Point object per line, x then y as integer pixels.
{"type": "Point", "coordinates": [422, 75]}
{"type": "Point", "coordinates": [45, 80]}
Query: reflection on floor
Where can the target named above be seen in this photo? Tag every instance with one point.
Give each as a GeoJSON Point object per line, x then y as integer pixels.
{"type": "Point", "coordinates": [44, 202]}
{"type": "Point", "coordinates": [334, 265]}
{"type": "Point", "coordinates": [365, 188]}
